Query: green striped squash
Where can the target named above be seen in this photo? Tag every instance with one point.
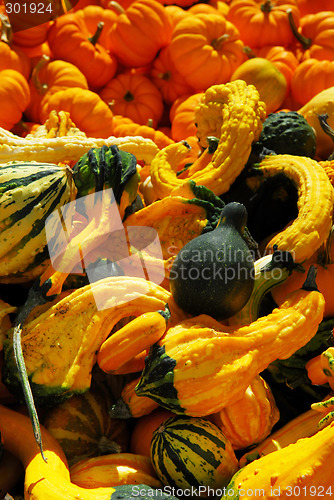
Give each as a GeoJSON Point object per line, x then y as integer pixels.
{"type": "Point", "coordinates": [192, 453]}
{"type": "Point", "coordinates": [29, 193]}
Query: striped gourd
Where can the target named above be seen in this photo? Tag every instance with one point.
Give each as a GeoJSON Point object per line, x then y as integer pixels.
{"type": "Point", "coordinates": [191, 452]}
{"type": "Point", "coordinates": [29, 193]}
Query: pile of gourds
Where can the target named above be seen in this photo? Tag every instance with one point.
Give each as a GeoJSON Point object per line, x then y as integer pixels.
{"type": "Point", "coordinates": [140, 376]}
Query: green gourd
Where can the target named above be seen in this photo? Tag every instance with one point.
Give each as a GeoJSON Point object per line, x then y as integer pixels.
{"type": "Point", "coordinates": [214, 273]}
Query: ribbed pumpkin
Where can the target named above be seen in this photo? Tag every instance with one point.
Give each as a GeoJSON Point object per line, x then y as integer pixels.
{"type": "Point", "coordinates": [192, 452]}
{"type": "Point", "coordinates": [50, 76]}
{"type": "Point", "coordinates": [135, 96]}
{"type": "Point", "coordinates": [83, 427]}
{"type": "Point", "coordinates": [251, 418]}
{"type": "Point", "coordinates": [206, 49]}
{"type": "Point", "coordinates": [182, 116]}
{"type": "Point", "coordinates": [30, 192]}
{"type": "Point", "coordinates": [71, 39]}
{"type": "Point", "coordinates": [311, 77]}
{"type": "Point", "coordinates": [11, 56]}
{"type": "Point", "coordinates": [87, 110]}
{"type": "Point", "coordinates": [263, 22]}
{"type": "Point", "coordinates": [139, 32]}
{"type": "Point", "coordinates": [14, 97]}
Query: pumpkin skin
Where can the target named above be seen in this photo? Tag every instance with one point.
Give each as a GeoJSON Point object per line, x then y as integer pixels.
{"type": "Point", "coordinates": [134, 96]}
{"type": "Point", "coordinates": [128, 37]}
{"type": "Point", "coordinates": [284, 60]}
{"type": "Point", "coordinates": [87, 110]}
{"type": "Point", "coordinates": [310, 78]}
{"type": "Point", "coordinates": [92, 15]}
{"type": "Point", "coordinates": [49, 77]}
{"type": "Point", "coordinates": [310, 7]}
{"type": "Point", "coordinates": [167, 79]}
{"type": "Point", "coordinates": [182, 116]}
{"type": "Point", "coordinates": [11, 56]}
{"type": "Point", "coordinates": [267, 78]}
{"type": "Point", "coordinates": [316, 35]}
{"type": "Point", "coordinates": [263, 22]}
{"type": "Point", "coordinates": [14, 97]}
{"type": "Point", "coordinates": [69, 40]}
{"type": "Point", "coordinates": [210, 41]}
{"type": "Point", "coordinates": [141, 435]}
{"type": "Point", "coordinates": [32, 36]}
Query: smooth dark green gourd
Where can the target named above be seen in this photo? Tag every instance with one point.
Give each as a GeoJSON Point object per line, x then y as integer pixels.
{"type": "Point", "coordinates": [214, 273]}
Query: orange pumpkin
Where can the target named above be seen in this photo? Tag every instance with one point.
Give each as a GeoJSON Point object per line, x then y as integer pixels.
{"type": "Point", "coordinates": [139, 33]}
{"type": "Point", "coordinates": [134, 96]}
{"type": "Point", "coordinates": [94, 14]}
{"type": "Point", "coordinates": [314, 37]}
{"type": "Point", "coordinates": [87, 110]}
{"type": "Point", "coordinates": [14, 97]}
{"type": "Point", "coordinates": [206, 49]}
{"type": "Point", "coordinates": [166, 77]}
{"type": "Point", "coordinates": [182, 116]}
{"type": "Point", "coordinates": [11, 57]}
{"type": "Point", "coordinates": [175, 13]}
{"type": "Point", "coordinates": [33, 36]}
{"type": "Point", "coordinates": [267, 78]}
{"type": "Point", "coordinates": [49, 77]}
{"type": "Point", "coordinates": [311, 7]}
{"type": "Point", "coordinates": [71, 40]}
{"type": "Point", "coordinates": [263, 22]}
{"type": "Point", "coordinates": [124, 129]}
{"type": "Point", "coordinates": [141, 436]}
{"type": "Point", "coordinates": [310, 78]}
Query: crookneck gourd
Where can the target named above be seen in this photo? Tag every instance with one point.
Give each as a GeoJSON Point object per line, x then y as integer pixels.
{"type": "Point", "coordinates": [312, 226]}
{"type": "Point", "coordinates": [200, 366]}
{"type": "Point", "coordinates": [237, 109]}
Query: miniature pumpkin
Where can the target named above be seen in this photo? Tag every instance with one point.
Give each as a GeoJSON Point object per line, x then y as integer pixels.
{"type": "Point", "coordinates": [182, 116]}
{"type": "Point", "coordinates": [311, 77]}
{"type": "Point", "coordinates": [14, 97]}
{"type": "Point", "coordinates": [206, 41]}
{"type": "Point", "coordinates": [11, 56]}
{"type": "Point", "coordinates": [134, 96]}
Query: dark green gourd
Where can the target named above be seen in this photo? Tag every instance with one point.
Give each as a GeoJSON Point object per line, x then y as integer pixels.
{"type": "Point", "coordinates": [214, 273]}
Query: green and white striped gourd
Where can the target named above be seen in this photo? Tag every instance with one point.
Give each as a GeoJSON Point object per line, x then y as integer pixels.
{"type": "Point", "coordinates": [29, 193]}
{"type": "Point", "coordinates": [191, 452]}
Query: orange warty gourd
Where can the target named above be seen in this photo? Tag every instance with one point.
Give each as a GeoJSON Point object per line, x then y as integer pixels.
{"type": "Point", "coordinates": [206, 49]}
{"type": "Point", "coordinates": [263, 22]}
{"type": "Point", "coordinates": [87, 110]}
{"type": "Point", "coordinates": [71, 39]}
{"type": "Point", "coordinates": [134, 96]}
{"type": "Point", "coordinates": [267, 78]}
{"type": "Point", "coordinates": [139, 32]}
{"type": "Point", "coordinates": [14, 97]}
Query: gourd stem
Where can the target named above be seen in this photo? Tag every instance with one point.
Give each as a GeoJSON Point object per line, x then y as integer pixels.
{"type": "Point", "coordinates": [95, 38]}
{"type": "Point", "coordinates": [18, 354]}
{"type": "Point", "coordinates": [249, 52]}
{"type": "Point", "coordinates": [41, 88]}
{"type": "Point", "coordinates": [305, 42]}
{"type": "Point", "coordinates": [217, 43]}
{"type": "Point", "coordinates": [327, 129]}
{"type": "Point", "coordinates": [118, 7]}
{"type": "Point", "coordinates": [6, 29]}
{"type": "Point", "coordinates": [310, 283]}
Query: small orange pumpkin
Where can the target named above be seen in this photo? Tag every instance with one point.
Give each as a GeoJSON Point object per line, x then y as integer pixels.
{"type": "Point", "coordinates": [134, 96]}
{"type": "Point", "coordinates": [263, 22]}
{"type": "Point", "coordinates": [311, 7]}
{"type": "Point", "coordinates": [86, 109]}
{"type": "Point", "coordinates": [206, 49]}
{"type": "Point", "coordinates": [49, 77]}
{"type": "Point", "coordinates": [139, 33]}
{"type": "Point", "coordinates": [310, 78]}
{"type": "Point", "coordinates": [71, 40]}
{"type": "Point", "coordinates": [11, 56]}
{"type": "Point", "coordinates": [182, 116]}
{"type": "Point", "coordinates": [93, 15]}
{"type": "Point", "coordinates": [33, 36]}
{"type": "Point", "coordinates": [14, 97]}
{"type": "Point", "coordinates": [141, 435]}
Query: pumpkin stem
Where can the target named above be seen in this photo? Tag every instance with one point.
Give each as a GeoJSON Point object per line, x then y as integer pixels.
{"type": "Point", "coordinates": [95, 38]}
{"type": "Point", "coordinates": [217, 43]}
{"type": "Point", "coordinates": [6, 29]}
{"type": "Point", "coordinates": [41, 88]}
{"type": "Point", "coordinates": [267, 6]}
{"type": "Point", "coordinates": [165, 76]}
{"type": "Point", "coordinates": [249, 52]}
{"type": "Point", "coordinates": [128, 96]}
{"type": "Point", "coordinates": [118, 7]}
{"type": "Point", "coordinates": [305, 42]}
{"type": "Point", "coordinates": [150, 123]}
